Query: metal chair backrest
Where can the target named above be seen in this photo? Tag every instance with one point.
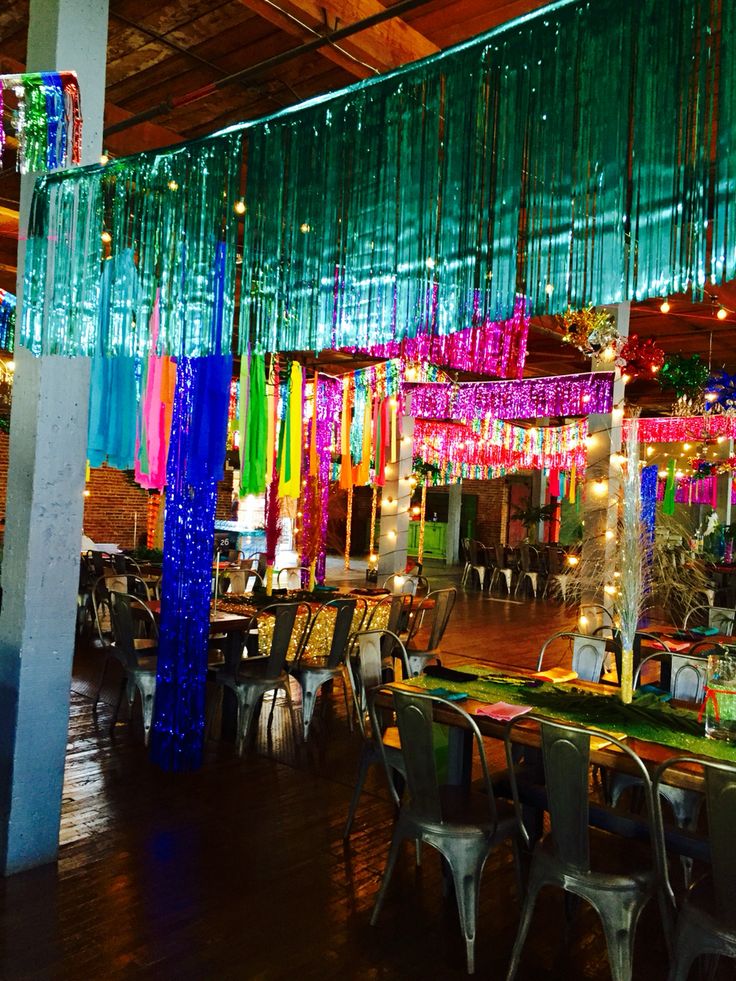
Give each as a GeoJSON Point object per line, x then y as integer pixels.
{"type": "Point", "coordinates": [125, 582]}
{"type": "Point", "coordinates": [720, 803]}
{"type": "Point", "coordinates": [341, 629]}
{"type": "Point", "coordinates": [123, 608]}
{"type": "Point", "coordinates": [438, 606]}
{"type": "Point", "coordinates": [400, 582]}
{"type": "Point", "coordinates": [588, 654]}
{"type": "Point", "coordinates": [291, 577]}
{"type": "Point", "coordinates": [398, 618]}
{"type": "Point", "coordinates": [477, 553]}
{"type": "Point", "coordinates": [687, 674]}
{"type": "Point", "coordinates": [525, 558]}
{"type": "Point", "coordinates": [366, 669]}
{"type": "Point", "coordinates": [383, 607]}
{"type": "Point", "coordinates": [415, 721]}
{"type": "Point", "coordinates": [285, 615]}
{"type": "Point", "coordinates": [566, 756]}
{"type": "Point", "coordinates": [465, 547]}
{"type": "Point", "coordinates": [500, 556]}
{"type": "Point", "coordinates": [555, 562]}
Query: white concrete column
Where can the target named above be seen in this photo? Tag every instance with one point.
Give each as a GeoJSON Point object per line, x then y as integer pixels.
{"type": "Point", "coordinates": [48, 446]}
{"type": "Point", "coordinates": [454, 508]}
{"type": "Point", "coordinates": [395, 501]}
{"type": "Point", "coordinates": [603, 485]}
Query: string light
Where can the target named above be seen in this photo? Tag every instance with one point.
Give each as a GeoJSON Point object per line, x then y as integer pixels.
{"type": "Point", "coordinates": [104, 158]}
{"type": "Point", "coordinates": [239, 207]}
{"type": "Point", "coordinates": [106, 237]}
{"type": "Point", "coordinates": [722, 313]}
{"type": "Point", "coordinates": [664, 306]}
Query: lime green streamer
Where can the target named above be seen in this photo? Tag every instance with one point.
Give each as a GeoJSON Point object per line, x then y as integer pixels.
{"type": "Point", "coordinates": [668, 502]}
{"type": "Point", "coordinates": [255, 429]}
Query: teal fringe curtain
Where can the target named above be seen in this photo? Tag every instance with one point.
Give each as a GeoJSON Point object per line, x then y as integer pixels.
{"type": "Point", "coordinates": [174, 211]}
{"type": "Point", "coordinates": [584, 154]}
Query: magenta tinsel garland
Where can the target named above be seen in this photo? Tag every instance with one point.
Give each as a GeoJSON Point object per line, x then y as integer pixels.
{"type": "Point", "coordinates": [688, 490]}
{"type": "Point", "coordinates": [490, 348]}
{"type": "Point", "coordinates": [328, 392]}
{"type": "Point", "coordinates": [561, 395]}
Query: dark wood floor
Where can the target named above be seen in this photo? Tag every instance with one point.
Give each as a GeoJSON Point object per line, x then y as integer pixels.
{"type": "Point", "coordinates": [239, 870]}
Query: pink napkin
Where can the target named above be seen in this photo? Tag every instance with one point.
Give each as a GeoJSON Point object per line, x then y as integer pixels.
{"type": "Point", "coordinates": [502, 711]}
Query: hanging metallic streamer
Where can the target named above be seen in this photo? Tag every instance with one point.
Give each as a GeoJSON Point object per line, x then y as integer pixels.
{"type": "Point", "coordinates": [590, 180]}
{"type": "Point", "coordinates": [7, 316]}
{"type": "Point", "coordinates": [196, 456]}
{"type": "Point", "coordinates": [632, 583]}
{"type": "Point", "coordinates": [649, 500]}
{"type": "Point", "coordinates": [422, 520]}
{"type": "Point", "coordinates": [174, 212]}
{"type": "Point", "coordinates": [668, 502]}
{"type": "Point", "coordinates": [374, 507]}
{"type": "Point", "coordinates": [348, 526]}
{"type": "Point", "coordinates": [558, 395]}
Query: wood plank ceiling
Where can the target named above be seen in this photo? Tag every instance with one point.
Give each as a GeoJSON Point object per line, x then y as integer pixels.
{"type": "Point", "coordinates": [164, 59]}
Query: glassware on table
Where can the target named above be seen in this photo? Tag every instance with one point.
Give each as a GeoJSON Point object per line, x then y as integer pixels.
{"type": "Point", "coordinates": [720, 697]}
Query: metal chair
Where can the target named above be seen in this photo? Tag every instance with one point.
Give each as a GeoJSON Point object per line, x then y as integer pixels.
{"type": "Point", "coordinates": [464, 827]}
{"type": "Point", "coordinates": [479, 562]}
{"type": "Point", "coordinates": [428, 625]}
{"type": "Point", "coordinates": [588, 654]}
{"type": "Point", "coordinates": [501, 569]}
{"type": "Point", "coordinates": [468, 566]}
{"type": "Point", "coordinates": [366, 675]}
{"type": "Point", "coordinates": [529, 568]}
{"type": "Point", "coordinates": [313, 673]}
{"type": "Point", "coordinates": [687, 679]}
{"type": "Point", "coordinates": [562, 857]}
{"type": "Point", "coordinates": [291, 577]}
{"type": "Point", "coordinates": [136, 653]}
{"type": "Point", "coordinates": [720, 617]}
{"type": "Point", "coordinates": [254, 676]}
{"type": "Point", "coordinates": [706, 922]}
{"type": "Point", "coordinates": [405, 582]}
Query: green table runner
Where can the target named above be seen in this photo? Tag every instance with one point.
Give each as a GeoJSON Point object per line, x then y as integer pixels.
{"type": "Point", "coordinates": [648, 717]}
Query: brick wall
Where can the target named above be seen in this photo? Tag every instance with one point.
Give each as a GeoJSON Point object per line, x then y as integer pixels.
{"type": "Point", "coordinates": [492, 507]}
{"type": "Point", "coordinates": [116, 507]}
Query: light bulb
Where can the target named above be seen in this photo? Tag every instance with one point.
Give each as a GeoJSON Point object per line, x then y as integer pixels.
{"type": "Point", "coordinates": [239, 207]}
{"type": "Point", "coordinates": [722, 313]}
{"type": "Point", "coordinates": [304, 228]}
{"type": "Point", "coordinates": [572, 560]}
{"type": "Point", "coordinates": [664, 306]}
{"type": "Point", "coordinates": [610, 535]}
{"type": "Point", "coordinates": [104, 159]}
{"type": "Point", "coordinates": [650, 450]}
{"type": "Point", "coordinates": [106, 237]}
{"type": "Point", "coordinates": [173, 186]}
{"type": "Point", "coordinates": [10, 365]}
{"type": "Point", "coordinates": [549, 289]}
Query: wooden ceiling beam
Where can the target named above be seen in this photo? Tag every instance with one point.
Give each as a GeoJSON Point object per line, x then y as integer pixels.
{"type": "Point", "coordinates": [377, 49]}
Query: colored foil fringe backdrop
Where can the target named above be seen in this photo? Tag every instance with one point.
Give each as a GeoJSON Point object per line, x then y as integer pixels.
{"type": "Point", "coordinates": [500, 447]}
{"type": "Point", "coordinates": [649, 476]}
{"type": "Point", "coordinates": [369, 219]}
{"type": "Point", "coordinates": [562, 395]}
{"type": "Point", "coordinates": [492, 348]}
{"type": "Point", "coordinates": [673, 429]}
{"type": "Point", "coordinates": [688, 490]}
{"type": "Point", "coordinates": [196, 456]}
{"type": "Point", "coordinates": [592, 179]}
{"type": "Point", "coordinates": [174, 213]}
{"type": "Point", "coordinates": [47, 121]}
{"type": "Point", "coordinates": [7, 320]}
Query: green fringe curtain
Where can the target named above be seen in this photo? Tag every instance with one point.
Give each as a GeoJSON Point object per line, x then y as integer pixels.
{"type": "Point", "coordinates": [584, 154]}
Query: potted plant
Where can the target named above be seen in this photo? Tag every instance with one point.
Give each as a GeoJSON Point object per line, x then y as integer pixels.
{"type": "Point", "coordinates": [530, 516]}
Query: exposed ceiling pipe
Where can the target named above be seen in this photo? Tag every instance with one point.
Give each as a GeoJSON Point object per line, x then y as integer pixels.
{"type": "Point", "coordinates": [176, 102]}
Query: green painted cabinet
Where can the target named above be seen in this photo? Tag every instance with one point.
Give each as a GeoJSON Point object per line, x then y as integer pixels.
{"type": "Point", "coordinates": [435, 537]}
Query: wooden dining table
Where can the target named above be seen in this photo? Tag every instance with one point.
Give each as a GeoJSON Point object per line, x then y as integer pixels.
{"type": "Point", "coordinates": [603, 751]}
